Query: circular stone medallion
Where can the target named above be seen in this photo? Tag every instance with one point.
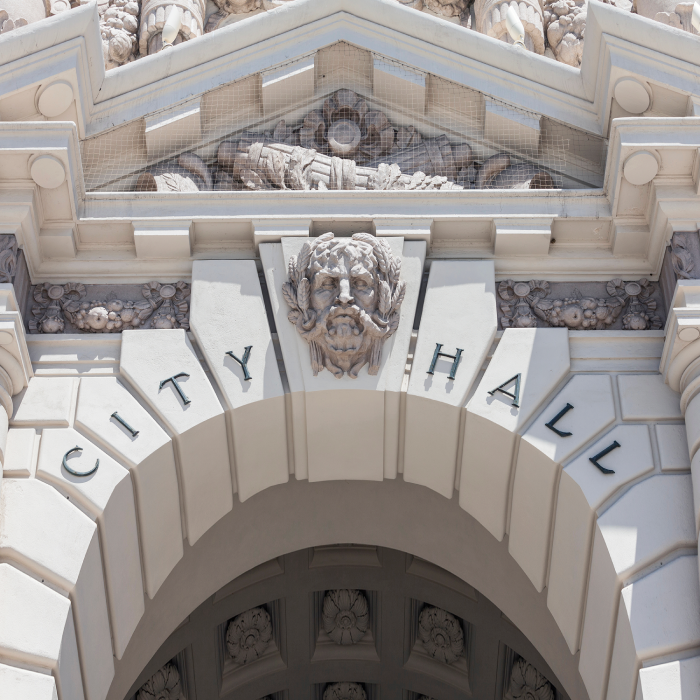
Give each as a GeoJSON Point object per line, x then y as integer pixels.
{"type": "Point", "coordinates": [167, 291]}
{"type": "Point", "coordinates": [55, 98]}
{"type": "Point", "coordinates": [344, 137]}
{"type": "Point", "coordinates": [641, 167]}
{"type": "Point", "coordinates": [632, 96]}
{"type": "Point", "coordinates": [48, 172]}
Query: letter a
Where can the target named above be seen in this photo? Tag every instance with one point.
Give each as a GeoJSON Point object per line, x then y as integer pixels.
{"type": "Point", "coordinates": [516, 393]}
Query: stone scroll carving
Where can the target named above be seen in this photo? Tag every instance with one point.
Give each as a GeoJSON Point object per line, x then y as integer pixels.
{"type": "Point", "coordinates": [164, 684]}
{"type": "Point", "coordinates": [164, 306]}
{"type": "Point", "coordinates": [441, 634]}
{"type": "Point", "coordinates": [681, 258]}
{"type": "Point", "coordinates": [526, 305]}
{"type": "Point", "coordinates": [8, 258]}
{"type": "Point", "coordinates": [346, 296]}
{"type": "Point", "coordinates": [342, 146]}
{"type": "Point", "coordinates": [248, 635]}
{"type": "Point", "coordinates": [345, 615]}
{"type": "Point", "coordinates": [344, 691]}
{"type": "Point", "coordinates": [527, 683]}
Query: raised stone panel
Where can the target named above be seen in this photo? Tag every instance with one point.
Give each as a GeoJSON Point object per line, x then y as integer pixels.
{"type": "Point", "coordinates": [199, 427]}
{"type": "Point", "coordinates": [399, 85]}
{"type": "Point", "coordinates": [173, 129]}
{"type": "Point", "coordinates": [20, 453]}
{"type": "Point", "coordinates": [583, 489]}
{"type": "Point", "coordinates": [37, 630]}
{"type": "Point", "coordinates": [286, 86]}
{"type": "Point", "coordinates": [107, 496]}
{"type": "Point", "coordinates": [647, 397]}
{"type": "Point", "coordinates": [675, 680]}
{"type": "Point", "coordinates": [46, 534]}
{"type": "Point", "coordinates": [540, 456]}
{"type": "Point", "coordinates": [652, 519]}
{"type": "Point", "coordinates": [228, 314]}
{"type": "Point", "coordinates": [47, 401]}
{"type": "Point", "coordinates": [658, 615]}
{"type": "Point", "coordinates": [541, 357]}
{"type": "Point", "coordinates": [27, 685]}
{"type": "Point", "coordinates": [459, 311]}
{"type": "Point", "coordinates": [151, 462]}
{"type": "Point", "coordinates": [673, 447]}
{"type": "Point", "coordinates": [155, 241]}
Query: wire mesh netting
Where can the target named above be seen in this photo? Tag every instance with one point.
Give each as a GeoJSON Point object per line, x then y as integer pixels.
{"type": "Point", "coordinates": [342, 118]}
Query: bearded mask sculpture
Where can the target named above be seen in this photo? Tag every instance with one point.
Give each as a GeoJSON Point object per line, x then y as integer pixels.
{"type": "Point", "coordinates": [346, 299]}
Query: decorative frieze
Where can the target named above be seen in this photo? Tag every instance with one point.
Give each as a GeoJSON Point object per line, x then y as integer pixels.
{"type": "Point", "coordinates": [346, 296]}
{"type": "Point", "coordinates": [164, 684]}
{"type": "Point", "coordinates": [622, 305]}
{"type": "Point", "coordinates": [344, 691]}
{"type": "Point", "coordinates": [248, 635]}
{"type": "Point", "coordinates": [441, 634]}
{"type": "Point", "coordinates": [60, 308]}
{"type": "Point", "coordinates": [345, 615]}
{"type": "Point", "coordinates": [527, 683]}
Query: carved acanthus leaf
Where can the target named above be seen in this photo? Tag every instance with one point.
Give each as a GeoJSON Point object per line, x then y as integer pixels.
{"type": "Point", "coordinates": [164, 684]}
{"type": "Point", "coordinates": [527, 683]}
{"type": "Point", "coordinates": [441, 634]}
{"type": "Point", "coordinates": [345, 615]}
{"type": "Point", "coordinates": [248, 635]}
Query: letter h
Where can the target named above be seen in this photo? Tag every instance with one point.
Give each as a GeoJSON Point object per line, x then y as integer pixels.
{"type": "Point", "coordinates": [438, 353]}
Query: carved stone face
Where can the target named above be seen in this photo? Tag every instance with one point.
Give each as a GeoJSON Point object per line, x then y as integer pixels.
{"type": "Point", "coordinates": [345, 295]}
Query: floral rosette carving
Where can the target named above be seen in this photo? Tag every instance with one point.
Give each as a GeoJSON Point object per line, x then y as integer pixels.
{"type": "Point", "coordinates": [164, 684]}
{"type": "Point", "coordinates": [346, 296]}
{"type": "Point", "coordinates": [527, 683]}
{"type": "Point", "coordinates": [248, 635]}
{"type": "Point", "coordinates": [345, 615]}
{"type": "Point", "coordinates": [344, 691]}
{"type": "Point", "coordinates": [441, 634]}
{"type": "Point", "coordinates": [640, 314]}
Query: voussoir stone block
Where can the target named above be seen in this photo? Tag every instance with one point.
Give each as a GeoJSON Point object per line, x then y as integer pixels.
{"type": "Point", "coordinates": [27, 685]}
{"type": "Point", "coordinates": [540, 356]}
{"type": "Point", "coordinates": [46, 534]}
{"type": "Point", "coordinates": [647, 397]}
{"type": "Point", "coordinates": [37, 630]}
{"type": "Point", "coordinates": [658, 615]}
{"type": "Point", "coordinates": [675, 680]}
{"type": "Point", "coordinates": [228, 314]}
{"type": "Point", "coordinates": [653, 518]}
{"type": "Point", "coordinates": [673, 447]}
{"type": "Point", "coordinates": [107, 496]}
{"type": "Point", "coordinates": [459, 311]}
{"type": "Point", "coordinates": [47, 401]}
{"type": "Point", "coordinates": [20, 452]}
{"type": "Point", "coordinates": [199, 426]}
{"type": "Point", "coordinates": [541, 454]}
{"type": "Point", "coordinates": [583, 489]}
{"type": "Point", "coordinates": [151, 461]}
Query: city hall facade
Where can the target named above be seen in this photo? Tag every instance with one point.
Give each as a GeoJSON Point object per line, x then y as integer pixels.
{"type": "Point", "coordinates": [349, 350]}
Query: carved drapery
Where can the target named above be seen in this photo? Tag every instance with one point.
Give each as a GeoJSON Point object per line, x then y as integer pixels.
{"type": "Point", "coordinates": [345, 615]}
{"type": "Point", "coordinates": [346, 296]}
{"type": "Point", "coordinates": [164, 684]}
{"type": "Point", "coordinates": [248, 635]}
{"type": "Point", "coordinates": [526, 305]}
{"type": "Point", "coordinates": [164, 306]}
{"type": "Point", "coordinates": [441, 634]}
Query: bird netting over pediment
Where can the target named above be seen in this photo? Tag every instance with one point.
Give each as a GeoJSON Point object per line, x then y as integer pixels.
{"type": "Point", "coordinates": [342, 119]}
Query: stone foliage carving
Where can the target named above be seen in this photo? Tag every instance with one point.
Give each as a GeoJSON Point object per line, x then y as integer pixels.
{"type": "Point", "coordinates": [164, 306]}
{"type": "Point", "coordinates": [119, 23]}
{"type": "Point", "coordinates": [248, 635]}
{"type": "Point", "coordinates": [565, 24]}
{"type": "Point", "coordinates": [681, 258]}
{"type": "Point", "coordinates": [346, 296]}
{"type": "Point", "coordinates": [491, 20]}
{"type": "Point", "coordinates": [164, 684]}
{"type": "Point", "coordinates": [527, 683]}
{"type": "Point", "coordinates": [344, 691]}
{"type": "Point", "coordinates": [441, 634]}
{"type": "Point", "coordinates": [345, 615]}
{"type": "Point", "coordinates": [343, 146]}
{"type": "Point", "coordinates": [8, 258]}
{"type": "Point", "coordinates": [525, 305]}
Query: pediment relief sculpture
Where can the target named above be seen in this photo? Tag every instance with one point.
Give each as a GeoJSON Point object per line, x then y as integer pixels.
{"type": "Point", "coordinates": [164, 306]}
{"type": "Point", "coordinates": [526, 305]}
{"type": "Point", "coordinates": [345, 615]}
{"type": "Point", "coordinates": [345, 296]}
{"type": "Point", "coordinates": [441, 634]}
{"type": "Point", "coordinates": [164, 684]}
{"type": "Point", "coordinates": [248, 635]}
{"type": "Point", "coordinates": [345, 145]}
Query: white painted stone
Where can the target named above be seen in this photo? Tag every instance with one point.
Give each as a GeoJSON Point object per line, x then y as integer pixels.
{"type": "Point", "coordinates": [583, 489]}
{"type": "Point", "coordinates": [151, 462]}
{"type": "Point", "coordinates": [652, 519]}
{"type": "Point", "coordinates": [162, 240]}
{"type": "Point", "coordinates": [173, 129]}
{"type": "Point", "coordinates": [673, 447]}
{"type": "Point", "coordinates": [541, 357]}
{"type": "Point", "coordinates": [199, 427]}
{"type": "Point", "coordinates": [632, 96]}
{"type": "Point", "coordinates": [37, 630]}
{"type": "Point", "coordinates": [695, 471]}
{"type": "Point", "coordinates": [274, 230]}
{"type": "Point", "coordinates": [47, 401]}
{"type": "Point", "coordinates": [540, 456]}
{"type": "Point", "coordinates": [692, 425]}
{"type": "Point", "coordinates": [46, 534]}
{"type": "Point", "coordinates": [27, 685]}
{"type": "Point", "coordinates": [647, 397]}
{"type": "Point", "coordinates": [55, 98]}
{"type": "Point", "coordinates": [20, 453]}
{"type": "Point", "coordinates": [398, 84]}
{"type": "Point", "coordinates": [641, 167]}
{"type": "Point", "coordinates": [228, 314]}
{"type": "Point", "coordinates": [48, 172]}
{"type": "Point", "coordinates": [658, 615]}
{"type": "Point", "coordinates": [459, 311]}
{"type": "Point", "coordinates": [107, 496]}
{"type": "Point", "coordinates": [288, 85]}
{"type": "Point", "coordinates": [513, 238]}
{"type": "Point", "coordinates": [676, 680]}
